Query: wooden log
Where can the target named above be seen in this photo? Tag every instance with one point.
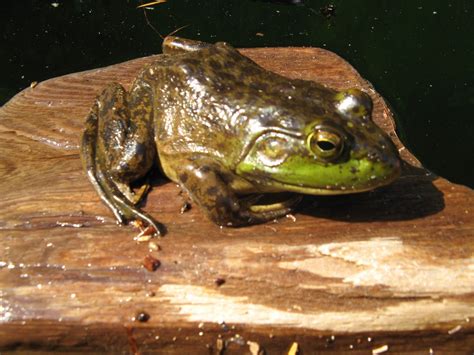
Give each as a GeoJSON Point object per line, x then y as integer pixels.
{"type": "Point", "coordinates": [388, 270]}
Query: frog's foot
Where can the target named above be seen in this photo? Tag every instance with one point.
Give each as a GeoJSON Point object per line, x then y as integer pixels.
{"type": "Point", "coordinates": [205, 182]}
{"type": "Point", "coordinates": [258, 213]}
{"type": "Point", "coordinates": [118, 148]}
{"type": "Point", "coordinates": [121, 206]}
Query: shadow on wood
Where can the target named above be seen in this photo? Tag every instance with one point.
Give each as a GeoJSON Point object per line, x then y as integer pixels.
{"type": "Point", "coordinates": [412, 196]}
{"type": "Point", "coordinates": [392, 267]}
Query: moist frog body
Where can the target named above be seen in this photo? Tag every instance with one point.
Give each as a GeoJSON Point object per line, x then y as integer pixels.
{"type": "Point", "coordinates": [228, 131]}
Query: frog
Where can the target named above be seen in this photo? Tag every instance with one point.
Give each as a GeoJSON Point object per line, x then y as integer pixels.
{"type": "Point", "coordinates": [229, 133]}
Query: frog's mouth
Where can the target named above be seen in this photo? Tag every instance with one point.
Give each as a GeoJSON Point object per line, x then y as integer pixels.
{"type": "Point", "coordinates": [274, 185]}
{"type": "Point", "coordinates": [279, 195]}
{"type": "Point", "coordinates": [352, 177]}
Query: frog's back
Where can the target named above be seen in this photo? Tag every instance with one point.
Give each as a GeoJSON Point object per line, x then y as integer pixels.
{"type": "Point", "coordinates": [213, 99]}
{"type": "Point", "coordinates": [202, 101]}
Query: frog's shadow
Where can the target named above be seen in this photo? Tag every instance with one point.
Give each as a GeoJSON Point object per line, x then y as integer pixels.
{"type": "Point", "coordinates": [412, 196]}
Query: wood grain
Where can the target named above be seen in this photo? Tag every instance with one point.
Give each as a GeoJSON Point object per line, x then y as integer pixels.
{"type": "Point", "coordinates": [390, 267]}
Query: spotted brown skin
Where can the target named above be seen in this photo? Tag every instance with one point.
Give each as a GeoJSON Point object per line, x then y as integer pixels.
{"type": "Point", "coordinates": [222, 127]}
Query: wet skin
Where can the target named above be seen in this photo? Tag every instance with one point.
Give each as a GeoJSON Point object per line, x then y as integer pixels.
{"type": "Point", "coordinates": [226, 130]}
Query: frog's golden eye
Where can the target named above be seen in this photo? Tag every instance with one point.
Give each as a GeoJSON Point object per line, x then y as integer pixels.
{"type": "Point", "coordinates": [324, 144]}
{"type": "Point", "coordinates": [272, 151]}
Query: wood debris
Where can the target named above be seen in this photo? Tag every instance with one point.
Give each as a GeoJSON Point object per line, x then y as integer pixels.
{"type": "Point", "coordinates": [154, 246]}
{"type": "Point", "coordinates": [255, 348]}
{"type": "Point", "coordinates": [150, 263]}
{"type": "Point", "coordinates": [219, 281]}
{"type": "Point", "coordinates": [142, 317]}
{"type": "Point", "coordinates": [220, 345]}
{"type": "Point", "coordinates": [380, 350]}
{"type": "Point", "coordinates": [294, 349]}
{"type": "Point", "coordinates": [146, 233]}
{"type": "Point", "coordinates": [454, 330]}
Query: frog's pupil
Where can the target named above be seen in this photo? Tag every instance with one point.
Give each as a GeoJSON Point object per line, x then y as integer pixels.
{"type": "Point", "coordinates": [325, 145]}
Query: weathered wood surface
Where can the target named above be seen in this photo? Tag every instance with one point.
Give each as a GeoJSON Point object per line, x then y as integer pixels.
{"type": "Point", "coordinates": [391, 267]}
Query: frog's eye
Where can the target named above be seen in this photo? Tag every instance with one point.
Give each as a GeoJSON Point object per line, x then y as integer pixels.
{"type": "Point", "coordinates": [272, 151]}
{"type": "Point", "coordinates": [325, 144]}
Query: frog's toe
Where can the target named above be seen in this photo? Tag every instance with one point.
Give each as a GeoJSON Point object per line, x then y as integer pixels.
{"type": "Point", "coordinates": [130, 214]}
{"type": "Point", "coordinates": [140, 193]}
{"type": "Point", "coordinates": [135, 196]}
{"type": "Point", "coordinates": [277, 206]}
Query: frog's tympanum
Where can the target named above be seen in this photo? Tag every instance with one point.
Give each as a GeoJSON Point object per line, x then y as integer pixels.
{"type": "Point", "coordinates": [228, 131]}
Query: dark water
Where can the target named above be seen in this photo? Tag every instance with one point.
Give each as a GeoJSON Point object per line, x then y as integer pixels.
{"type": "Point", "coordinates": [418, 54]}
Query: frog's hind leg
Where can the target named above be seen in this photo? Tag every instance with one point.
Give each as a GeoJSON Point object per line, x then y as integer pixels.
{"type": "Point", "coordinates": [117, 148]}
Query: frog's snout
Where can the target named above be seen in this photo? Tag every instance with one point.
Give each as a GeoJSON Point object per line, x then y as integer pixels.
{"type": "Point", "coordinates": [392, 168]}
{"type": "Point", "coordinates": [385, 160]}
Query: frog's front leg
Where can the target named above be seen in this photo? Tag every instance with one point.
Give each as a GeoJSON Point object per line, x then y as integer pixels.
{"type": "Point", "coordinates": [118, 148]}
{"type": "Point", "coordinates": [208, 185]}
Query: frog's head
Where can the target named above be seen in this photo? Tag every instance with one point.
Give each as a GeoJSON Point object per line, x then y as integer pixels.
{"type": "Point", "coordinates": [341, 151]}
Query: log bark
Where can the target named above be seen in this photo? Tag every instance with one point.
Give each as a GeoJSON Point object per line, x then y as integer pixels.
{"type": "Point", "coordinates": [388, 270]}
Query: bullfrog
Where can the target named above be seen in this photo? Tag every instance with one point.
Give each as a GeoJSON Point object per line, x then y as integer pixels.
{"type": "Point", "coordinates": [228, 132]}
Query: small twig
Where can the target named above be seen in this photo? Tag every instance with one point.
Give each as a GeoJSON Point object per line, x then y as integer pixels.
{"type": "Point", "coordinates": [178, 29]}
{"type": "Point", "coordinates": [153, 27]}
{"type": "Point", "coordinates": [149, 24]}
{"type": "Point", "coordinates": [151, 3]}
